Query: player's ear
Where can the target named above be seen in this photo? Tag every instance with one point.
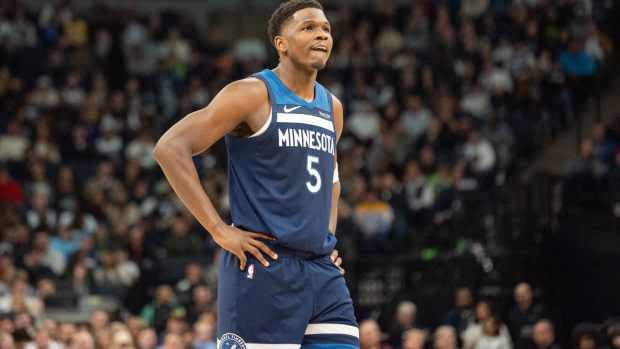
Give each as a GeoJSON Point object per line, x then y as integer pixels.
{"type": "Point", "coordinates": [280, 43]}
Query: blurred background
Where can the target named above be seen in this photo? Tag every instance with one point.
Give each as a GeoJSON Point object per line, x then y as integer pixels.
{"type": "Point", "coordinates": [479, 164]}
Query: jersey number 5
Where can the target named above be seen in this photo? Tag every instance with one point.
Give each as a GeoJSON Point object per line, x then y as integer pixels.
{"type": "Point", "coordinates": [313, 188]}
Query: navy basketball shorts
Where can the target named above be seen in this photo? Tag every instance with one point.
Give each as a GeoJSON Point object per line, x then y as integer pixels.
{"type": "Point", "coordinates": [294, 303]}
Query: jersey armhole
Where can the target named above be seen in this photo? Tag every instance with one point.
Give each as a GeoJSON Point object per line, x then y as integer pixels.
{"type": "Point", "coordinates": [267, 123]}
{"type": "Point", "coordinates": [265, 126]}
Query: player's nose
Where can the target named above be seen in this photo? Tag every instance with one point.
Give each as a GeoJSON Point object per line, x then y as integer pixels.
{"type": "Point", "coordinates": [322, 35]}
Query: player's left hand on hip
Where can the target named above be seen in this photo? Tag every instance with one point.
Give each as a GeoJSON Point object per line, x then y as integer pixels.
{"type": "Point", "coordinates": [337, 261]}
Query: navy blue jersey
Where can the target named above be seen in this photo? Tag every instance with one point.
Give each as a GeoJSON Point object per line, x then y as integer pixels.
{"type": "Point", "coordinates": [280, 180]}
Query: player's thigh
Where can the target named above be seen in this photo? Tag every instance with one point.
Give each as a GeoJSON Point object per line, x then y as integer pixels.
{"type": "Point", "coordinates": [262, 306]}
{"type": "Point", "coordinates": [333, 324]}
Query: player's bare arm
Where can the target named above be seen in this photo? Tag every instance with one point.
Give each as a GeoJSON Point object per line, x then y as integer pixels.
{"type": "Point", "coordinates": [333, 219]}
{"type": "Point", "coordinates": [243, 103]}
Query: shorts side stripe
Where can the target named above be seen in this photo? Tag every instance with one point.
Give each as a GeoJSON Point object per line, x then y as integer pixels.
{"type": "Point", "coordinates": [332, 329]}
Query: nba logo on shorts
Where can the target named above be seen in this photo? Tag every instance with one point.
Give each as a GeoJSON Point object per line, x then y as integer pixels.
{"type": "Point", "coordinates": [250, 272]}
{"type": "Point", "coordinates": [231, 341]}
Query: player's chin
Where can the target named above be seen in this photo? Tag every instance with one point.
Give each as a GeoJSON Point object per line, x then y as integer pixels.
{"type": "Point", "coordinates": [318, 64]}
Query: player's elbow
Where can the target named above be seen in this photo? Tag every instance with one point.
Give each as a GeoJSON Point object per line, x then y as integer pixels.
{"type": "Point", "coordinates": [164, 150]}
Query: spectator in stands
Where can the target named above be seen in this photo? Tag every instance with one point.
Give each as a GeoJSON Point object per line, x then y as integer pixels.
{"type": "Point", "coordinates": [193, 278]}
{"type": "Point", "coordinates": [586, 336]}
{"type": "Point", "coordinates": [473, 332]}
{"type": "Point", "coordinates": [205, 336]}
{"type": "Point", "coordinates": [10, 189]}
{"type": "Point", "coordinates": [463, 313]}
{"type": "Point", "coordinates": [414, 339]}
{"type": "Point", "coordinates": [183, 241]}
{"type": "Point", "coordinates": [99, 320]}
{"type": "Point", "coordinates": [587, 167]}
{"type": "Point", "coordinates": [116, 275]}
{"type": "Point", "coordinates": [404, 321]}
{"type": "Point", "coordinates": [202, 302]}
{"type": "Point", "coordinates": [7, 342]}
{"type": "Point", "coordinates": [121, 339]}
{"type": "Point", "coordinates": [543, 335]}
{"type": "Point", "coordinates": [374, 218]}
{"type": "Point", "coordinates": [613, 335]}
{"type": "Point", "coordinates": [13, 143]}
{"type": "Point", "coordinates": [147, 339]}
{"type": "Point", "coordinates": [173, 341]}
{"type": "Point", "coordinates": [82, 340]}
{"type": "Point", "coordinates": [491, 337]}
{"type": "Point", "coordinates": [524, 315]}
{"type": "Point", "coordinates": [43, 340]}
{"type": "Point", "coordinates": [445, 338]}
{"type": "Point", "coordinates": [480, 155]}
{"type": "Point", "coordinates": [371, 336]}
{"type": "Point", "coordinates": [156, 313]}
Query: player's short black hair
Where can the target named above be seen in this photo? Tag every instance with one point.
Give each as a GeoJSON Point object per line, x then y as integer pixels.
{"type": "Point", "coordinates": [284, 12]}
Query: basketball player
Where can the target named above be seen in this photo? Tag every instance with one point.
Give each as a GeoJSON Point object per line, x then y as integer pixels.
{"type": "Point", "coordinates": [280, 282]}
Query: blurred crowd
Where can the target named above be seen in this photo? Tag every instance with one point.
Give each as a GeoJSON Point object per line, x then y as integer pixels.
{"type": "Point", "coordinates": [594, 174]}
{"type": "Point", "coordinates": [443, 101]}
{"type": "Point", "coordinates": [479, 325]}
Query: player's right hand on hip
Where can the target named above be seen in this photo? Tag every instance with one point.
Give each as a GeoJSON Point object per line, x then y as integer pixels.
{"type": "Point", "coordinates": [238, 242]}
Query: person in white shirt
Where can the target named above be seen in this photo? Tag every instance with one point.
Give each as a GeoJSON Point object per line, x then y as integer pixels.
{"type": "Point", "coordinates": [491, 337]}
{"type": "Point", "coordinates": [474, 332]}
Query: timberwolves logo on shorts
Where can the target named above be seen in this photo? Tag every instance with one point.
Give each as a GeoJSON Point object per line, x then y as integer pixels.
{"type": "Point", "coordinates": [231, 341]}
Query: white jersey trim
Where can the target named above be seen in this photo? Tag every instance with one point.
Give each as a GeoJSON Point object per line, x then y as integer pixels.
{"type": "Point", "coordinates": [346, 330]}
{"type": "Point", "coordinates": [305, 119]}
{"type": "Point", "coordinates": [336, 175]}
{"type": "Point", "coordinates": [267, 346]}
{"type": "Point", "coordinates": [265, 126]}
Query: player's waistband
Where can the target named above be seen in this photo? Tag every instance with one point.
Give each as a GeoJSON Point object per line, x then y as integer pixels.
{"type": "Point", "coordinates": [283, 250]}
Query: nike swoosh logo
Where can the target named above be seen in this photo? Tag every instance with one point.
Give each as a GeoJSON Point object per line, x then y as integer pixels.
{"type": "Point", "coordinates": [288, 110]}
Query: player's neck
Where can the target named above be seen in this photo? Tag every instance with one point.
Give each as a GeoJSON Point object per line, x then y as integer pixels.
{"type": "Point", "coordinates": [301, 82]}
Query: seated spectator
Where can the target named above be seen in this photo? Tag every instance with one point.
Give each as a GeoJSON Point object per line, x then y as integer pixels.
{"type": "Point", "coordinates": [43, 257]}
{"type": "Point", "coordinates": [7, 342]}
{"type": "Point", "coordinates": [82, 340]}
{"type": "Point", "coordinates": [202, 302]}
{"type": "Point", "coordinates": [204, 336]}
{"type": "Point", "coordinates": [524, 315]}
{"type": "Point", "coordinates": [10, 190]}
{"type": "Point", "coordinates": [473, 332]}
{"type": "Point", "coordinates": [182, 242]}
{"type": "Point", "coordinates": [463, 313]}
{"type": "Point", "coordinates": [543, 335]}
{"type": "Point", "coordinates": [404, 321]}
{"type": "Point", "coordinates": [374, 218]}
{"type": "Point", "coordinates": [43, 340]}
{"type": "Point", "coordinates": [21, 299]}
{"type": "Point", "coordinates": [491, 337]}
{"type": "Point", "coordinates": [371, 336]}
{"type": "Point", "coordinates": [414, 339]}
{"type": "Point", "coordinates": [156, 313]}
{"type": "Point", "coordinates": [116, 275]}
{"type": "Point", "coordinates": [121, 339]}
{"type": "Point", "coordinates": [613, 334]}
{"type": "Point", "coordinates": [193, 278]}
{"type": "Point", "coordinates": [586, 336]}
{"type": "Point", "coordinates": [173, 341]}
{"type": "Point", "coordinates": [41, 215]}
{"type": "Point", "coordinates": [147, 339]}
{"type": "Point", "coordinates": [445, 338]}
{"type": "Point", "coordinates": [587, 166]}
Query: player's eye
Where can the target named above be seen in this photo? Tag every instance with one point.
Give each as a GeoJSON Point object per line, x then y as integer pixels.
{"type": "Point", "coordinates": [327, 29]}
{"type": "Point", "coordinates": [308, 27]}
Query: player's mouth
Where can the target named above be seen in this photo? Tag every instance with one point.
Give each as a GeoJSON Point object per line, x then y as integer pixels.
{"type": "Point", "coordinates": [319, 48]}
